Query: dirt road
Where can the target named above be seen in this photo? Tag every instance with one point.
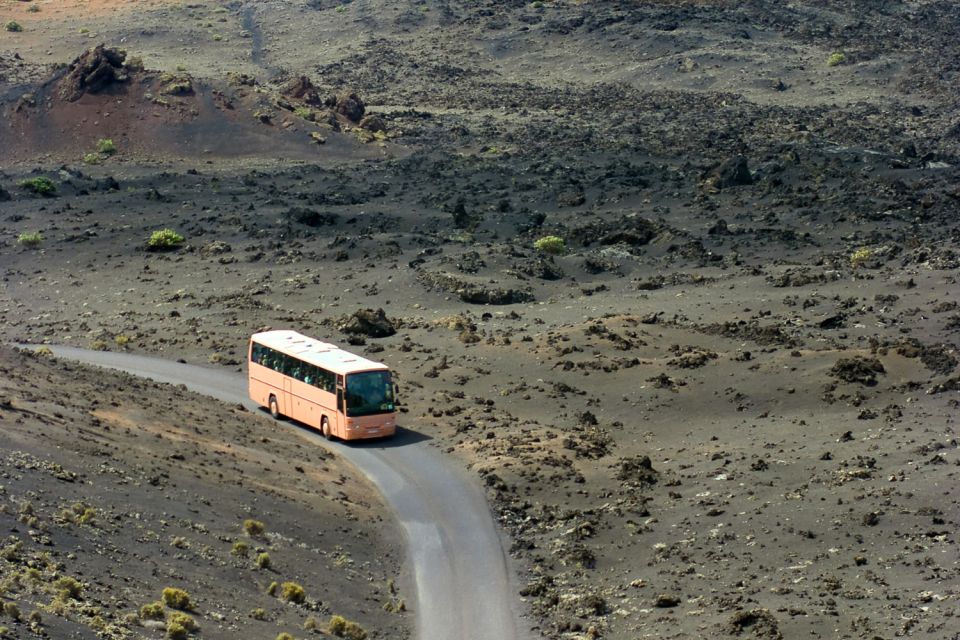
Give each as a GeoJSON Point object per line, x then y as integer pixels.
{"type": "Point", "coordinates": [462, 579]}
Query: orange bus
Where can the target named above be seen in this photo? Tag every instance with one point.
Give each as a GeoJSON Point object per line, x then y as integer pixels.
{"type": "Point", "coordinates": [342, 394]}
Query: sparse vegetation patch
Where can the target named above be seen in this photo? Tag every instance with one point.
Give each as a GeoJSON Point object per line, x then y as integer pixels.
{"type": "Point", "coordinates": [41, 185]}
{"type": "Point", "coordinates": [164, 240]}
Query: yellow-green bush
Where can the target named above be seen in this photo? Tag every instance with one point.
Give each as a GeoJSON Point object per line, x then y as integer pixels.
{"type": "Point", "coordinates": [860, 257]}
{"type": "Point", "coordinates": [253, 527]}
{"type": "Point", "coordinates": [343, 628]}
{"type": "Point", "coordinates": [176, 598]}
{"type": "Point", "coordinates": [106, 146]}
{"type": "Point", "coordinates": [30, 240]}
{"type": "Point", "coordinates": [152, 611]}
{"type": "Point", "coordinates": [164, 239]}
{"type": "Point", "coordinates": [40, 185]}
{"type": "Point", "coordinates": [292, 592]}
{"type": "Point", "coordinates": [550, 244]}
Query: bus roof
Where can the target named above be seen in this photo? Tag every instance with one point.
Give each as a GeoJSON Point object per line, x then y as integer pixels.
{"type": "Point", "coordinates": [323, 354]}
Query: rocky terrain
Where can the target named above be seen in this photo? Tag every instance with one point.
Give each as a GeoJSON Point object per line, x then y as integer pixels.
{"type": "Point", "coordinates": [719, 403]}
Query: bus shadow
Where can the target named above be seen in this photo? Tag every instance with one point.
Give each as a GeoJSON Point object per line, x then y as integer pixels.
{"type": "Point", "coordinates": [401, 438]}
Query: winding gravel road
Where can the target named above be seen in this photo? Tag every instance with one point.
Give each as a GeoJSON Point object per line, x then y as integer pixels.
{"type": "Point", "coordinates": [464, 586]}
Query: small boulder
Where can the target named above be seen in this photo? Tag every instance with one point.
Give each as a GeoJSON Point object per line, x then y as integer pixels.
{"type": "Point", "coordinates": [759, 623]}
{"type": "Point", "coordinates": [373, 123]}
{"type": "Point", "coordinates": [367, 322]}
{"type": "Point", "coordinates": [350, 106]}
{"type": "Point", "coordinates": [858, 369]}
{"type": "Point", "coordinates": [666, 600]}
{"type": "Point", "coordinates": [215, 248]}
{"type": "Point", "coordinates": [732, 172]}
{"type": "Point", "coordinates": [301, 88]}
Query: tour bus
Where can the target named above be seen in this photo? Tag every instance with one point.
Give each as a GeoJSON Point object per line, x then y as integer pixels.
{"type": "Point", "coordinates": [342, 394]}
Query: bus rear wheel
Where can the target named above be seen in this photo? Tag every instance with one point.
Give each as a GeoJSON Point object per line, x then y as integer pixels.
{"type": "Point", "coordinates": [274, 407]}
{"type": "Point", "coordinates": [325, 428]}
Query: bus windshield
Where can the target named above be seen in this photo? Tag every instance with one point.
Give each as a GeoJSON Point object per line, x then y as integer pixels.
{"type": "Point", "coordinates": [369, 392]}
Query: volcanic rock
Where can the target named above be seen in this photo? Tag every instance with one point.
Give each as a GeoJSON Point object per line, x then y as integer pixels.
{"type": "Point", "coordinates": [474, 292]}
{"type": "Point", "coordinates": [760, 622]}
{"type": "Point", "coordinates": [370, 323]}
{"type": "Point", "coordinates": [373, 123]}
{"type": "Point", "coordinates": [350, 106]}
{"type": "Point", "coordinates": [729, 173]}
{"type": "Point", "coordinates": [858, 369]}
{"type": "Point", "coordinates": [300, 88]}
{"type": "Point", "coordinates": [92, 72]}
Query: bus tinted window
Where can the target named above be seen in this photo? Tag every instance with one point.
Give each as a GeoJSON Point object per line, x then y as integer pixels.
{"type": "Point", "coordinates": [293, 367]}
{"type": "Point", "coordinates": [369, 393]}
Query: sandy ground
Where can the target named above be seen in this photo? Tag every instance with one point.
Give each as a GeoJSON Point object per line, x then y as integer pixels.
{"type": "Point", "coordinates": [726, 408]}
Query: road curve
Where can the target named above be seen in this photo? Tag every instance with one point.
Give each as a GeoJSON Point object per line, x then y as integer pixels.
{"type": "Point", "coordinates": [464, 586]}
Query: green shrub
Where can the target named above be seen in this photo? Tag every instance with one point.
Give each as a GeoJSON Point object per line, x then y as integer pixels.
{"type": "Point", "coordinates": [106, 146]}
{"type": "Point", "coordinates": [253, 527]}
{"type": "Point", "coordinates": [337, 625]}
{"type": "Point", "coordinates": [395, 605]}
{"type": "Point", "coordinates": [91, 158]}
{"type": "Point", "coordinates": [860, 257]}
{"type": "Point", "coordinates": [240, 549]}
{"type": "Point", "coordinates": [13, 26]}
{"type": "Point", "coordinates": [283, 635]}
{"type": "Point", "coordinates": [152, 611]}
{"type": "Point", "coordinates": [550, 244]}
{"type": "Point", "coordinates": [259, 614]}
{"type": "Point", "coordinates": [30, 240]}
{"type": "Point", "coordinates": [69, 588]}
{"type": "Point", "coordinates": [305, 113]}
{"type": "Point", "coordinates": [164, 239]}
{"type": "Point", "coordinates": [11, 610]}
{"type": "Point", "coordinates": [176, 631]}
{"type": "Point", "coordinates": [183, 620]}
{"type": "Point", "coordinates": [272, 589]}
{"type": "Point", "coordinates": [343, 628]}
{"type": "Point", "coordinates": [835, 59]}
{"type": "Point", "coordinates": [85, 514]}
{"type": "Point", "coordinates": [40, 185]}
{"type": "Point", "coordinates": [177, 598]}
{"type": "Point", "coordinates": [263, 560]}
{"type": "Point", "coordinates": [292, 592]}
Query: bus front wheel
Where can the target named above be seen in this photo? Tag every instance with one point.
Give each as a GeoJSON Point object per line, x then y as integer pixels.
{"type": "Point", "coordinates": [274, 407]}
{"type": "Point", "coordinates": [325, 428]}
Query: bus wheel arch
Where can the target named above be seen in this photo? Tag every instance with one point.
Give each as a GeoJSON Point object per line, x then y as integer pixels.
{"type": "Point", "coordinates": [325, 428]}
{"type": "Point", "coordinates": [274, 406]}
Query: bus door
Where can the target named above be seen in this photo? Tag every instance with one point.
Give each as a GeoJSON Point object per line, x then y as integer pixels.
{"type": "Point", "coordinates": [287, 402]}
{"type": "Point", "coordinates": [341, 422]}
